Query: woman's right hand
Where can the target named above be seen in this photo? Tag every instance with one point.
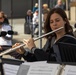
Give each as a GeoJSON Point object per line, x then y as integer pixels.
{"type": "Point", "coordinates": [19, 50]}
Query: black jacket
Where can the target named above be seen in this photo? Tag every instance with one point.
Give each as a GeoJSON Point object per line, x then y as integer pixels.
{"type": "Point", "coordinates": [47, 52]}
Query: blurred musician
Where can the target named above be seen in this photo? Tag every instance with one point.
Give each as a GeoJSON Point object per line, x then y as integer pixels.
{"type": "Point", "coordinates": [5, 41]}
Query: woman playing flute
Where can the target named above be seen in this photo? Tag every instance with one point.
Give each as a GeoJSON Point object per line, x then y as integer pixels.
{"type": "Point", "coordinates": [55, 19]}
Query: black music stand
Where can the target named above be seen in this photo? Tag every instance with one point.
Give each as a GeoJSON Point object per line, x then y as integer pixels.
{"type": "Point", "coordinates": [1, 67]}
{"type": "Point", "coordinates": [67, 52]}
{"type": "Point", "coordinates": [9, 61]}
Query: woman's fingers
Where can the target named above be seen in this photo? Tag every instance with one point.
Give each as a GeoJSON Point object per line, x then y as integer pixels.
{"type": "Point", "coordinates": [25, 41]}
{"type": "Point", "coordinates": [19, 50]}
{"type": "Point", "coordinates": [15, 45]}
{"type": "Point", "coordinates": [29, 43]}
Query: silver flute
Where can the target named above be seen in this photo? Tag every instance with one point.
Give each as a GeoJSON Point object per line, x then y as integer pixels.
{"type": "Point", "coordinates": [13, 49]}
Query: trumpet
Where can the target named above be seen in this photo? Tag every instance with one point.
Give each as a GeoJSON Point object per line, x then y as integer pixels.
{"type": "Point", "coordinates": [13, 49]}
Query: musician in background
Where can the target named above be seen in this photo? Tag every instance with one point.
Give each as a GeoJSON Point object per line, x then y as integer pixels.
{"type": "Point", "coordinates": [6, 21]}
{"type": "Point", "coordinates": [55, 19]}
{"type": "Point", "coordinates": [5, 40]}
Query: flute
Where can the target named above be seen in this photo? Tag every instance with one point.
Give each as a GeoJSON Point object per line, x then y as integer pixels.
{"type": "Point", "coordinates": [13, 49]}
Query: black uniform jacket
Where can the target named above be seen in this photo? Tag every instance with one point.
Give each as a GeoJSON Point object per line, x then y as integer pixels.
{"type": "Point", "coordinates": [47, 52]}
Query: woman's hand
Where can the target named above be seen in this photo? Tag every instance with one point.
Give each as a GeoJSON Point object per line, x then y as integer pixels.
{"type": "Point", "coordinates": [19, 50]}
{"type": "Point", "coordinates": [29, 43]}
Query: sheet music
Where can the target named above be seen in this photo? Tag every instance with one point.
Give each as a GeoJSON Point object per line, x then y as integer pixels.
{"type": "Point", "coordinates": [69, 70]}
{"type": "Point", "coordinates": [43, 69]}
{"type": "Point", "coordinates": [24, 67]}
{"type": "Point", "coordinates": [10, 69]}
{"type": "Point", "coordinates": [38, 68]}
{"type": "Point", "coordinates": [23, 70]}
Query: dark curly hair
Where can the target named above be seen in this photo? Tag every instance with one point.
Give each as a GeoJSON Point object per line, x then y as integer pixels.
{"type": "Point", "coordinates": [61, 12]}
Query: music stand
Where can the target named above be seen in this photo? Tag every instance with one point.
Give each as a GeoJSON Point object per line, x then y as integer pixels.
{"type": "Point", "coordinates": [67, 52]}
{"type": "Point", "coordinates": [1, 67]}
{"type": "Point", "coordinates": [9, 61]}
{"type": "Point", "coordinates": [12, 61]}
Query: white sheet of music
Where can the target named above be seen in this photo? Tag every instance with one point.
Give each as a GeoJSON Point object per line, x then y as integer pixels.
{"type": "Point", "coordinates": [10, 69]}
{"type": "Point", "coordinates": [39, 68]}
{"type": "Point", "coordinates": [69, 70]}
{"type": "Point", "coordinates": [43, 69]}
{"type": "Point", "coordinates": [24, 67]}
